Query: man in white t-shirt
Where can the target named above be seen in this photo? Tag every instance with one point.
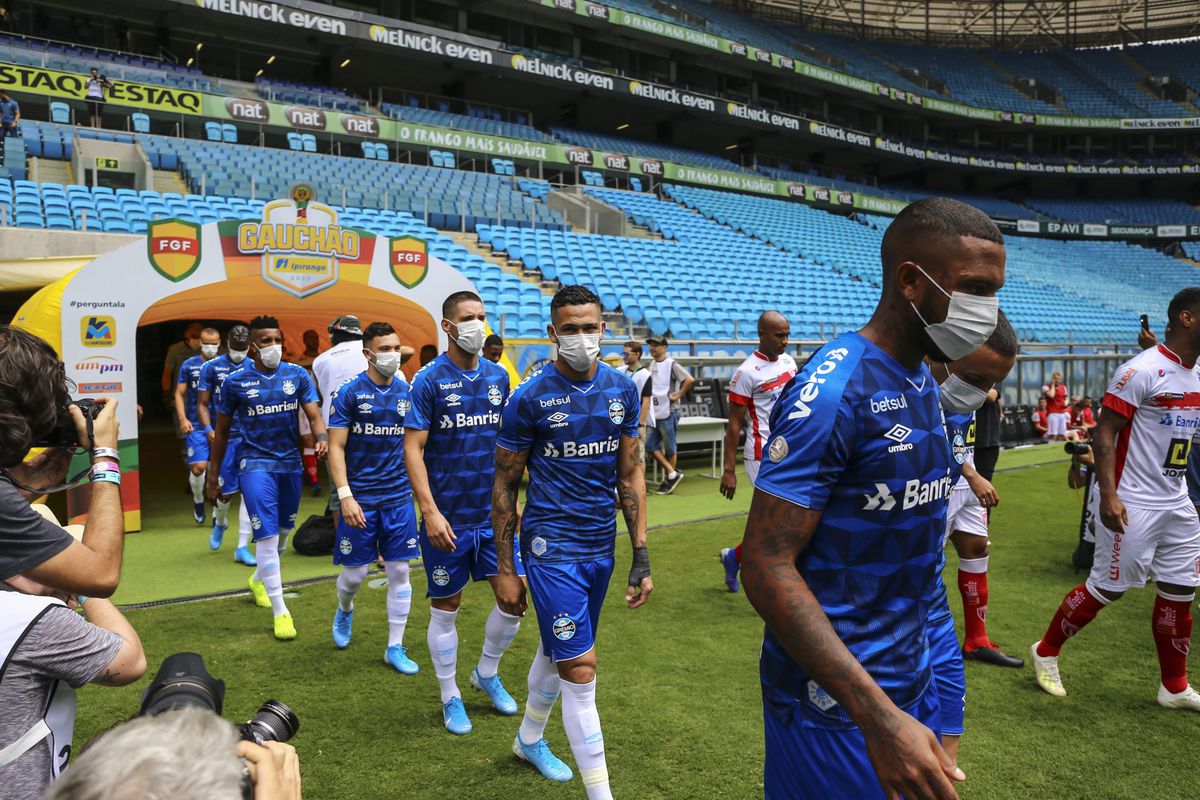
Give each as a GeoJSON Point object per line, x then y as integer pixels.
{"type": "Point", "coordinates": [752, 392]}
{"type": "Point", "coordinates": [1148, 528]}
{"type": "Point", "coordinates": [669, 382]}
{"type": "Point", "coordinates": [631, 365]}
{"type": "Point", "coordinates": [338, 364]}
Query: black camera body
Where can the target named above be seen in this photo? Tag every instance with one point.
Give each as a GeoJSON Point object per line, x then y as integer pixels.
{"type": "Point", "coordinates": [1077, 448]}
{"type": "Point", "coordinates": [64, 433]}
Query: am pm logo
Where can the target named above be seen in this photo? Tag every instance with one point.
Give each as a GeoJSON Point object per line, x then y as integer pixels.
{"type": "Point", "coordinates": [98, 331]}
{"type": "Point", "coordinates": [174, 248]}
{"type": "Point", "coordinates": [409, 258]}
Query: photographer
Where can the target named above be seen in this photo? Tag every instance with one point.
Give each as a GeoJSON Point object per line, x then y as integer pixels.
{"type": "Point", "coordinates": [48, 652]}
{"type": "Point", "coordinates": [35, 411]}
{"type": "Point", "coordinates": [96, 86]}
{"type": "Point", "coordinates": [1082, 475]}
{"type": "Point", "coordinates": [185, 754]}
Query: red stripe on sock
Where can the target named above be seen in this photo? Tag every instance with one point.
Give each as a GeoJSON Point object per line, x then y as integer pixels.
{"type": "Point", "coordinates": [1172, 626]}
{"type": "Point", "coordinates": [1078, 608]}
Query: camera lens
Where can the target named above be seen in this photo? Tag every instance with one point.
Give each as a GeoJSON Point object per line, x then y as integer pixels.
{"type": "Point", "coordinates": [182, 681]}
{"type": "Point", "coordinates": [274, 722]}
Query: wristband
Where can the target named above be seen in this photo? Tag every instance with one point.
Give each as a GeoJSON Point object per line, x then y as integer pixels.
{"type": "Point", "coordinates": [80, 599]}
{"type": "Point", "coordinates": [344, 493]}
{"type": "Point", "coordinates": [641, 566]}
{"type": "Point", "coordinates": [321, 437]}
{"type": "Point", "coordinates": [106, 476]}
{"type": "Point", "coordinates": [106, 452]}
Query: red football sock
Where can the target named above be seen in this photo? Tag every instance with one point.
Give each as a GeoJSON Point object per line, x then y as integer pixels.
{"type": "Point", "coordinates": [973, 586]}
{"type": "Point", "coordinates": [1172, 626]}
{"type": "Point", "coordinates": [1078, 608]}
{"type": "Point", "coordinates": [737, 553]}
{"type": "Point", "coordinates": [309, 457]}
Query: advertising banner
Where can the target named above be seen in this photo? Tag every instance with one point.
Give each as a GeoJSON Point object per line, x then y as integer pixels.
{"type": "Point", "coordinates": [73, 86]}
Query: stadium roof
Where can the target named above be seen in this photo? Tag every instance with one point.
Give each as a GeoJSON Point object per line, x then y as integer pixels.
{"type": "Point", "coordinates": [992, 23]}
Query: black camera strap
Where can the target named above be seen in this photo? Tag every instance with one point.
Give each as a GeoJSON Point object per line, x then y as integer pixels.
{"type": "Point", "coordinates": [70, 482]}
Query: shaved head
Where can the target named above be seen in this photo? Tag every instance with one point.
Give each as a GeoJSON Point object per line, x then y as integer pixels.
{"type": "Point", "coordinates": [773, 333]}
{"type": "Point", "coordinates": [930, 232]}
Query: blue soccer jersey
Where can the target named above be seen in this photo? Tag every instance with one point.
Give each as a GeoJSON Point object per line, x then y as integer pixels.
{"type": "Point", "coordinates": [573, 434]}
{"type": "Point", "coordinates": [189, 373]}
{"type": "Point", "coordinates": [461, 411]}
{"type": "Point", "coordinates": [373, 416]}
{"type": "Point", "coordinates": [859, 437]}
{"type": "Point", "coordinates": [960, 430]}
{"type": "Point", "coordinates": [268, 404]}
{"type": "Point", "coordinates": [212, 376]}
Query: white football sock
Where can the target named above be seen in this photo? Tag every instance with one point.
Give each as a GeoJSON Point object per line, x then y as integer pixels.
{"type": "Point", "coordinates": [197, 484]}
{"type": "Point", "coordinates": [974, 566]}
{"type": "Point", "coordinates": [244, 529]}
{"type": "Point", "coordinates": [222, 512]}
{"type": "Point", "coordinates": [498, 634]}
{"type": "Point", "coordinates": [583, 732]}
{"type": "Point", "coordinates": [443, 650]}
{"type": "Point", "coordinates": [399, 600]}
{"type": "Point", "coordinates": [543, 684]}
{"type": "Point", "coordinates": [347, 586]}
{"type": "Point", "coordinates": [268, 573]}
{"type": "Point", "coordinates": [283, 540]}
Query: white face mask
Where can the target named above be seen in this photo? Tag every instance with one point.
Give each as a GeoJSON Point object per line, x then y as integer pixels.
{"type": "Point", "coordinates": [209, 350]}
{"type": "Point", "coordinates": [237, 356]}
{"type": "Point", "coordinates": [970, 320]}
{"type": "Point", "coordinates": [271, 355]}
{"type": "Point", "coordinates": [470, 335]}
{"type": "Point", "coordinates": [580, 350]}
{"type": "Point", "coordinates": [960, 397]}
{"type": "Point", "coordinates": [386, 363]}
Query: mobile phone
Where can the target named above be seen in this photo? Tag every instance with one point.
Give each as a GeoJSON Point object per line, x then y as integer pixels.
{"type": "Point", "coordinates": [1145, 322]}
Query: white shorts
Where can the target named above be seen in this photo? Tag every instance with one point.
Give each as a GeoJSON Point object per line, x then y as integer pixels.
{"type": "Point", "coordinates": [752, 466]}
{"type": "Point", "coordinates": [1056, 424]}
{"type": "Point", "coordinates": [1160, 544]}
{"type": "Point", "coordinates": [966, 514]}
{"type": "Point", "coordinates": [305, 428]}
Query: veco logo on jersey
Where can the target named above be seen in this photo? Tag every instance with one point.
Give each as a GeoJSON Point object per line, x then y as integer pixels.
{"type": "Point", "coordinates": [98, 331]}
{"type": "Point", "coordinates": [812, 386]}
{"type": "Point", "coordinates": [300, 242]}
{"type": "Point", "coordinates": [174, 248]}
{"type": "Point", "coordinates": [410, 260]}
{"type": "Point", "coordinates": [104, 365]}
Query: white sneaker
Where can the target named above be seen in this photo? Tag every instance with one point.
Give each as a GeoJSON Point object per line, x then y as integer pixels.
{"type": "Point", "coordinates": [1045, 669]}
{"type": "Point", "coordinates": [1188, 699]}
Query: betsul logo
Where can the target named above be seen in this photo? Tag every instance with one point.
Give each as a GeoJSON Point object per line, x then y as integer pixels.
{"type": "Point", "coordinates": [174, 248]}
{"type": "Point", "coordinates": [98, 331]}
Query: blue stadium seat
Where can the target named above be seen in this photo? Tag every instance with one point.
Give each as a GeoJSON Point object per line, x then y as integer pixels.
{"type": "Point", "coordinates": [229, 132]}
{"type": "Point", "coordinates": [60, 112]}
{"type": "Point", "coordinates": [212, 131]}
{"type": "Point", "coordinates": [141, 122]}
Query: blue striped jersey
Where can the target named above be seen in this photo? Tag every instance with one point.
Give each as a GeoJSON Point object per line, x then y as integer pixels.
{"type": "Point", "coordinates": [373, 417]}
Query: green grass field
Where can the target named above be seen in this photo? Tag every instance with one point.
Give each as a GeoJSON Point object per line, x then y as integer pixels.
{"type": "Point", "coordinates": [678, 686]}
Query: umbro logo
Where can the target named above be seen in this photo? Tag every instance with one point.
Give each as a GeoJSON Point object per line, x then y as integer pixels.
{"type": "Point", "coordinates": [364, 407]}
{"type": "Point", "coordinates": [898, 433]}
{"type": "Point", "coordinates": [252, 393]}
{"type": "Point", "coordinates": [452, 398]}
{"type": "Point", "coordinates": [557, 416]}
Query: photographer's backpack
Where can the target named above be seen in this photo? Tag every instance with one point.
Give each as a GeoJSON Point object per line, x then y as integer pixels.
{"type": "Point", "coordinates": [315, 536]}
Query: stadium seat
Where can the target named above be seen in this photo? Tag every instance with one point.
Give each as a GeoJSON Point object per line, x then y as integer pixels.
{"type": "Point", "coordinates": [294, 141]}
{"type": "Point", "coordinates": [229, 132]}
{"type": "Point", "coordinates": [141, 122]}
{"type": "Point", "coordinates": [212, 131]}
{"type": "Point", "coordinates": [60, 112]}
{"type": "Point", "coordinates": [309, 141]}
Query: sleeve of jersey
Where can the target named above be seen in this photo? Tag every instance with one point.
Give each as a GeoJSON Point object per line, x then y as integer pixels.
{"type": "Point", "coordinates": [818, 432]}
{"type": "Point", "coordinates": [309, 393]}
{"type": "Point", "coordinates": [740, 389]}
{"type": "Point", "coordinates": [205, 382]}
{"type": "Point", "coordinates": [421, 404]}
{"type": "Point", "coordinates": [181, 377]}
{"type": "Point", "coordinates": [339, 409]}
{"type": "Point", "coordinates": [516, 425]}
{"type": "Point", "coordinates": [633, 411]}
{"type": "Point", "coordinates": [226, 399]}
{"type": "Point", "coordinates": [1127, 390]}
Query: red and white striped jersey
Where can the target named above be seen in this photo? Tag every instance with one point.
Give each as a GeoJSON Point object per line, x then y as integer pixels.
{"type": "Point", "coordinates": [1160, 396]}
{"type": "Point", "coordinates": [756, 385]}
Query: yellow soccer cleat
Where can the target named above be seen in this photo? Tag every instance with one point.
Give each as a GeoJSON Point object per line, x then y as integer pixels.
{"type": "Point", "coordinates": [285, 629]}
{"type": "Point", "coordinates": [260, 593]}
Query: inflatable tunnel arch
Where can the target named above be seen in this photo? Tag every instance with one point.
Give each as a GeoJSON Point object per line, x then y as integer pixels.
{"type": "Point", "coordinates": [296, 263]}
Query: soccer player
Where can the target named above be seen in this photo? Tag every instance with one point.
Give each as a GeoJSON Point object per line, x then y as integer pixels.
{"type": "Point", "coordinates": [1148, 527]}
{"type": "Point", "coordinates": [366, 462]}
{"type": "Point", "coordinates": [965, 385]}
{"type": "Point", "coordinates": [450, 450]}
{"type": "Point", "coordinates": [848, 512]}
{"type": "Point", "coordinates": [266, 396]}
{"type": "Point", "coordinates": [196, 433]}
{"type": "Point", "coordinates": [212, 376]}
{"type": "Point", "coordinates": [493, 348]}
{"type": "Point", "coordinates": [754, 389]}
{"type": "Point", "coordinates": [573, 422]}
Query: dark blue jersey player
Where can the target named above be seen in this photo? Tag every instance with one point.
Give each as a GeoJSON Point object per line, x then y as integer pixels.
{"type": "Point", "coordinates": [848, 513]}
{"type": "Point", "coordinates": [574, 424]}
{"type": "Point", "coordinates": [266, 397]}
{"type": "Point", "coordinates": [366, 463]}
{"type": "Point", "coordinates": [450, 451]}
{"type": "Point", "coordinates": [190, 425]}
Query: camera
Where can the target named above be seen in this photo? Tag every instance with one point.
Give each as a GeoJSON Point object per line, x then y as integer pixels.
{"type": "Point", "coordinates": [64, 433]}
{"type": "Point", "coordinates": [183, 681]}
{"type": "Point", "coordinates": [1077, 448]}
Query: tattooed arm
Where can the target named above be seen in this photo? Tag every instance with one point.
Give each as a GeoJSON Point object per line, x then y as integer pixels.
{"type": "Point", "coordinates": [907, 757]}
{"type": "Point", "coordinates": [510, 466]}
{"type": "Point", "coordinates": [631, 492]}
{"type": "Point", "coordinates": [130, 661]}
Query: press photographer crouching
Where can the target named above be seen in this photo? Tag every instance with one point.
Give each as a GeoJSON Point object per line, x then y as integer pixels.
{"type": "Point", "coordinates": [36, 411]}
{"type": "Point", "coordinates": [1082, 475]}
{"type": "Point", "coordinates": [178, 747]}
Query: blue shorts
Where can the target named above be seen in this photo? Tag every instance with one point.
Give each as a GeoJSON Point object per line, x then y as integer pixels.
{"type": "Point", "coordinates": [197, 445]}
{"type": "Point", "coordinates": [568, 599]}
{"type": "Point", "coordinates": [391, 532]}
{"type": "Point", "coordinates": [949, 675]}
{"type": "Point", "coordinates": [806, 762]}
{"type": "Point", "coordinates": [230, 472]}
{"type": "Point", "coordinates": [661, 435]}
{"type": "Point", "coordinates": [272, 500]}
{"type": "Point", "coordinates": [474, 558]}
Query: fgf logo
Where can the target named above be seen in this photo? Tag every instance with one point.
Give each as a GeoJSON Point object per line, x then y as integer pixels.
{"type": "Point", "coordinates": [98, 331]}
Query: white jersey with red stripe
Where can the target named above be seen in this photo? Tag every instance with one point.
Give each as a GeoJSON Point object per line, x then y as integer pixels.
{"type": "Point", "coordinates": [756, 385]}
{"type": "Point", "coordinates": [1160, 396]}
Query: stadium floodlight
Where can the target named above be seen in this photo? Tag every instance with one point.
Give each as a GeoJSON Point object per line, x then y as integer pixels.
{"type": "Point", "coordinates": [623, 126]}
{"type": "Point", "coordinates": [346, 63]}
{"type": "Point", "coordinates": [731, 146]}
{"type": "Point", "coordinates": [199, 46]}
{"type": "Point", "coordinates": [190, 61]}
{"type": "Point", "coordinates": [270, 61]}
{"type": "Point", "coordinates": [258, 74]}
